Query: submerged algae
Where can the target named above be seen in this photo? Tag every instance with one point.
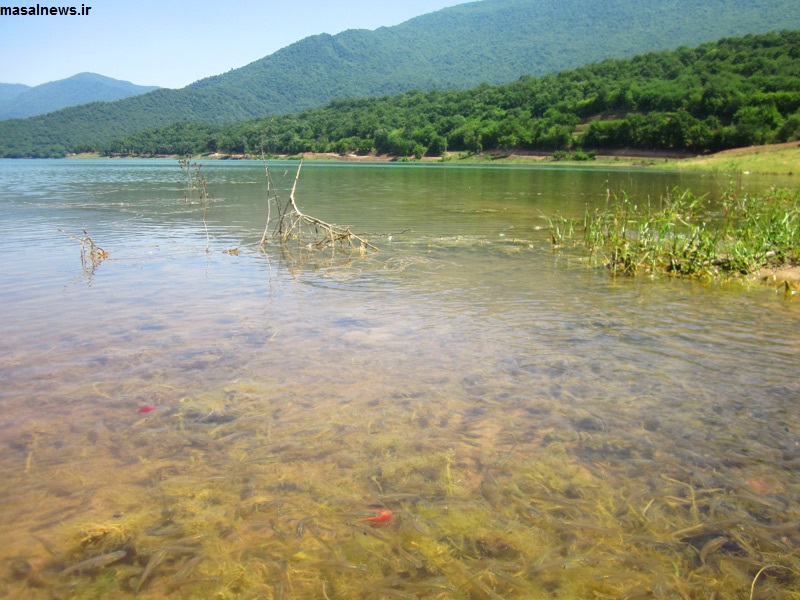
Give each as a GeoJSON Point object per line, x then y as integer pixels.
{"type": "Point", "coordinates": [243, 490]}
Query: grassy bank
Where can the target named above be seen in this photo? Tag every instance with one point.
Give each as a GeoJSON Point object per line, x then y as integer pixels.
{"type": "Point", "coordinates": [777, 159]}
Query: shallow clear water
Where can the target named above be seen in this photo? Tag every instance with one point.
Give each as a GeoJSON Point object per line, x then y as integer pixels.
{"type": "Point", "coordinates": [536, 427]}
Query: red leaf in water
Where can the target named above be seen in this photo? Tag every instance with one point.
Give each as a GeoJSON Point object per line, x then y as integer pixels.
{"type": "Point", "coordinates": [759, 486]}
{"type": "Point", "coordinates": [146, 409]}
{"type": "Point", "coordinates": [382, 515]}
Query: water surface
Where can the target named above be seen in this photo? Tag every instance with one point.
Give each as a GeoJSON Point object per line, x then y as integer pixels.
{"type": "Point", "coordinates": [536, 427]}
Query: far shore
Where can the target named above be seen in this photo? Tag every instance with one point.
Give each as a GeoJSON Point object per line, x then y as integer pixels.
{"type": "Point", "coordinates": [775, 159]}
{"type": "Point", "coordinates": [491, 156]}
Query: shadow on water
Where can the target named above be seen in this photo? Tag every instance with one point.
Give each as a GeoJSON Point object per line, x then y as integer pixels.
{"type": "Point", "coordinates": [461, 415]}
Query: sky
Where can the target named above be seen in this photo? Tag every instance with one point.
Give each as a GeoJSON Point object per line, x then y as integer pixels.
{"type": "Point", "coordinates": [172, 44]}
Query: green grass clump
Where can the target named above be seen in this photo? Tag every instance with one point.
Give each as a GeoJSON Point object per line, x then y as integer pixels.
{"type": "Point", "coordinates": [687, 235]}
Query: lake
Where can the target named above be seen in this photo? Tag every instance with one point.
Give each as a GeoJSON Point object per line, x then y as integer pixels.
{"type": "Point", "coordinates": [466, 413]}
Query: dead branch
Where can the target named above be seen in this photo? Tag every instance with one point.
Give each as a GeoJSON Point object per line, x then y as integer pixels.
{"type": "Point", "coordinates": [295, 224]}
{"type": "Point", "coordinates": [292, 223]}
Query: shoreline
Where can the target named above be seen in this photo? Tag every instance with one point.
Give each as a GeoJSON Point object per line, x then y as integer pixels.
{"type": "Point", "coordinates": [489, 156]}
{"type": "Point", "coordinates": [775, 159]}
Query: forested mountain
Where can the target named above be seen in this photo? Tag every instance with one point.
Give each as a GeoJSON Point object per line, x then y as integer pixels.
{"type": "Point", "coordinates": [9, 91]}
{"type": "Point", "coordinates": [73, 91]}
{"type": "Point", "coordinates": [491, 41]}
{"type": "Point", "coordinates": [731, 93]}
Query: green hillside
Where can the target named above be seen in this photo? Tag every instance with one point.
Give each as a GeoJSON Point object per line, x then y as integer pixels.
{"type": "Point", "coordinates": [731, 93]}
{"type": "Point", "coordinates": [493, 41]}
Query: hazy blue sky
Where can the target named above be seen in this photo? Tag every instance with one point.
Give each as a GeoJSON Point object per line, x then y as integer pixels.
{"type": "Point", "coordinates": [172, 43]}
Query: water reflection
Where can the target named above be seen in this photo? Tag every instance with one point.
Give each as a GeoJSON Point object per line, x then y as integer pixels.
{"type": "Point", "coordinates": [535, 428]}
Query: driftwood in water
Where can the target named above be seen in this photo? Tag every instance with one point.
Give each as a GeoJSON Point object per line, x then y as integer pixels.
{"type": "Point", "coordinates": [293, 224]}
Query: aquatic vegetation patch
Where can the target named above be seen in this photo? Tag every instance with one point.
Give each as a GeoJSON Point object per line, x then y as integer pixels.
{"type": "Point", "coordinates": [682, 234]}
{"type": "Point", "coordinates": [250, 489]}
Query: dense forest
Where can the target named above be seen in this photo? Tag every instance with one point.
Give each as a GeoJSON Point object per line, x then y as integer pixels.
{"type": "Point", "coordinates": [731, 93]}
{"type": "Point", "coordinates": [457, 48]}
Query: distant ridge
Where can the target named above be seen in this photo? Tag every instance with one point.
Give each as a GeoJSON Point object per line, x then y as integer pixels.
{"type": "Point", "coordinates": [492, 41]}
{"type": "Point", "coordinates": [24, 101]}
{"type": "Point", "coordinates": [9, 91]}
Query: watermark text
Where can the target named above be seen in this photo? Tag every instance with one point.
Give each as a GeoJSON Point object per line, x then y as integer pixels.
{"type": "Point", "coordinates": [40, 10]}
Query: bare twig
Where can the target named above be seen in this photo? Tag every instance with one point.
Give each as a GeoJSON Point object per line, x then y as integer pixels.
{"type": "Point", "coordinates": [269, 203]}
{"type": "Point", "coordinates": [91, 254]}
{"type": "Point", "coordinates": [197, 182]}
{"type": "Point", "coordinates": [761, 570]}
